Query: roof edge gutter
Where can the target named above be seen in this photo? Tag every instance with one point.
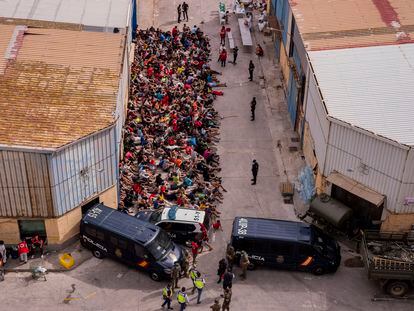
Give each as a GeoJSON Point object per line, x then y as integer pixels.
{"type": "Point", "coordinates": [26, 148]}
{"type": "Point", "coordinates": [369, 133]}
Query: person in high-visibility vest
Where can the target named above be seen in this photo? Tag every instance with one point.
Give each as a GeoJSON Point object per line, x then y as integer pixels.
{"type": "Point", "coordinates": [167, 295]}
{"type": "Point", "coordinates": [193, 276]}
{"type": "Point", "coordinates": [182, 298]}
{"type": "Point", "coordinates": [199, 283]}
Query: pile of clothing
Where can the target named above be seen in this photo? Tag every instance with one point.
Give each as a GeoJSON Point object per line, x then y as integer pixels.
{"type": "Point", "coordinates": [171, 128]}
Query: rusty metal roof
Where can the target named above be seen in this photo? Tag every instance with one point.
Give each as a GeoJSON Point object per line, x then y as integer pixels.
{"type": "Point", "coordinates": [338, 24]}
{"type": "Point", "coordinates": [57, 86]}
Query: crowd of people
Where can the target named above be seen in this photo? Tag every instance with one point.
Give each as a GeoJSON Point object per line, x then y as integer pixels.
{"type": "Point", "coordinates": [171, 128]}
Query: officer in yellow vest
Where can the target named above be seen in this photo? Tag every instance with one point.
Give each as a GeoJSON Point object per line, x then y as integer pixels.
{"type": "Point", "coordinates": [199, 283]}
{"type": "Point", "coordinates": [182, 298]}
{"type": "Point", "coordinates": [167, 295]}
{"type": "Point", "coordinates": [193, 276]}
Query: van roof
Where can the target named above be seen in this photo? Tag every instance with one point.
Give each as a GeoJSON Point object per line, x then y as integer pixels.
{"type": "Point", "coordinates": [271, 229]}
{"type": "Point", "coordinates": [120, 223]}
{"type": "Point", "coordinates": [185, 214]}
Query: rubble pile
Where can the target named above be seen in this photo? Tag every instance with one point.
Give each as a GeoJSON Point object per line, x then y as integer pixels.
{"type": "Point", "coordinates": [171, 128]}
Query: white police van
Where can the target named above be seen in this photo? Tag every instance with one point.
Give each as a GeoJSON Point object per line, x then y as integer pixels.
{"type": "Point", "coordinates": [182, 224]}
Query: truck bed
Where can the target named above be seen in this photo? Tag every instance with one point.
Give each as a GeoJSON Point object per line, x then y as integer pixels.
{"type": "Point", "coordinates": [387, 256]}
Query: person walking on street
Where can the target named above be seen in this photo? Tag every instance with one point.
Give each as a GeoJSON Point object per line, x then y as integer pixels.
{"type": "Point", "coordinates": [230, 254]}
{"type": "Point", "coordinates": [185, 10]}
{"type": "Point", "coordinates": [253, 107]}
{"type": "Point", "coordinates": [235, 53]}
{"type": "Point", "coordinates": [193, 276]}
{"type": "Point", "coordinates": [255, 170]}
{"type": "Point", "coordinates": [194, 251]}
{"type": "Point", "coordinates": [223, 35]}
{"type": "Point", "coordinates": [251, 69]}
{"type": "Point", "coordinates": [228, 279]}
{"type": "Point", "coordinates": [199, 283]}
{"type": "Point", "coordinates": [186, 264]}
{"type": "Point", "coordinates": [182, 299]}
{"type": "Point", "coordinates": [167, 295]}
{"type": "Point", "coordinates": [221, 269]}
{"type": "Point", "coordinates": [227, 299]}
{"type": "Point", "coordinates": [216, 306]}
{"type": "Point", "coordinates": [175, 274]}
{"type": "Point", "coordinates": [223, 57]}
{"type": "Point", "coordinates": [244, 263]}
{"type": "Point", "coordinates": [179, 13]}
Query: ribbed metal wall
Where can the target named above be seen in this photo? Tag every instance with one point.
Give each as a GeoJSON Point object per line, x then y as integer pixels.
{"type": "Point", "coordinates": [374, 163]}
{"type": "Point", "coordinates": [405, 198]}
{"type": "Point", "coordinates": [316, 117]}
{"type": "Point", "coordinates": [24, 185]}
{"type": "Point", "coordinates": [83, 170]}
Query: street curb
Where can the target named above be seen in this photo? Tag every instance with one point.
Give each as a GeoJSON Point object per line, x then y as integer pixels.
{"type": "Point", "coordinates": [80, 262]}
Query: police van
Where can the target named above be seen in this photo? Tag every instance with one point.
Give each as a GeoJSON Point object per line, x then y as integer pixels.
{"type": "Point", "coordinates": [285, 245]}
{"type": "Point", "coordinates": [182, 224]}
{"type": "Point", "coordinates": [108, 232]}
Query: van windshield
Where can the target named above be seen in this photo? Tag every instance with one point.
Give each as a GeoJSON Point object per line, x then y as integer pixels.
{"type": "Point", "coordinates": [155, 217]}
{"type": "Point", "coordinates": [323, 243]}
{"type": "Point", "coordinates": [160, 246]}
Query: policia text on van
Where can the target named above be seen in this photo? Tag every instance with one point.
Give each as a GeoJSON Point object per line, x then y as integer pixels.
{"type": "Point", "coordinates": [108, 232]}
{"type": "Point", "coordinates": [285, 244]}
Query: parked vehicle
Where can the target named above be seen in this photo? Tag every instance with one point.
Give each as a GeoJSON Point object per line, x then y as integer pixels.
{"type": "Point", "coordinates": [285, 245]}
{"type": "Point", "coordinates": [182, 224]}
{"type": "Point", "coordinates": [389, 258]}
{"type": "Point", "coordinates": [108, 232]}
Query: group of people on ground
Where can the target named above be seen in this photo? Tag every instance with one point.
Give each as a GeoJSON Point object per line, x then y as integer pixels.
{"type": "Point", "coordinates": [171, 128]}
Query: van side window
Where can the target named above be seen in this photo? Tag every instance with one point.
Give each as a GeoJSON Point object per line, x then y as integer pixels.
{"type": "Point", "coordinates": [122, 244]}
{"type": "Point", "coordinates": [140, 251]}
{"type": "Point", "coordinates": [281, 248]}
{"type": "Point", "coordinates": [100, 235]}
{"type": "Point", "coordinates": [90, 231]}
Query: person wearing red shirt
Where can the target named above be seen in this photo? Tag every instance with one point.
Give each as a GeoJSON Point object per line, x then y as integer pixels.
{"type": "Point", "coordinates": [22, 251]}
{"type": "Point", "coordinates": [194, 251]}
{"type": "Point", "coordinates": [37, 243]}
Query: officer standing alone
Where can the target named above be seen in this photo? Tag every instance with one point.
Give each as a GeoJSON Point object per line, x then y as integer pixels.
{"type": "Point", "coordinates": [255, 170]}
{"type": "Point", "coordinates": [253, 108]}
{"type": "Point", "coordinates": [175, 274]}
{"type": "Point", "coordinates": [244, 263]}
{"type": "Point", "coordinates": [251, 69]}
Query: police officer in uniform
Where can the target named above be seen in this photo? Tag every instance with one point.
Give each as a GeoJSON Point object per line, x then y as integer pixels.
{"type": "Point", "coordinates": [244, 263]}
{"type": "Point", "coordinates": [193, 276]}
{"type": "Point", "coordinates": [167, 295]}
{"type": "Point", "coordinates": [175, 274]}
{"type": "Point", "coordinates": [216, 306]}
{"type": "Point", "coordinates": [230, 254]}
{"type": "Point", "coordinates": [255, 170]}
{"type": "Point", "coordinates": [182, 298]}
{"type": "Point", "coordinates": [227, 299]}
{"type": "Point", "coordinates": [199, 283]}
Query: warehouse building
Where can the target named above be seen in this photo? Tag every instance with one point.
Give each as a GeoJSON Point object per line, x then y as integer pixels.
{"type": "Point", "coordinates": [63, 93]}
{"type": "Point", "coordinates": [347, 70]}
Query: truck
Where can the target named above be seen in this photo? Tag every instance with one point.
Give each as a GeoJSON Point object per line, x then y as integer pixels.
{"type": "Point", "coordinates": [389, 258]}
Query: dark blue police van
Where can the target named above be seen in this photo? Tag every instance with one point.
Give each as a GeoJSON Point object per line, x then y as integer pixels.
{"type": "Point", "coordinates": [108, 232]}
{"type": "Point", "coordinates": [285, 245]}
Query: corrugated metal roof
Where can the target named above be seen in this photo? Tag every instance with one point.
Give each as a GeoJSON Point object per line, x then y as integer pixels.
{"type": "Point", "coordinates": [370, 88]}
{"type": "Point", "coordinates": [336, 24]}
{"type": "Point", "coordinates": [57, 85]}
{"type": "Point", "coordinates": [102, 13]}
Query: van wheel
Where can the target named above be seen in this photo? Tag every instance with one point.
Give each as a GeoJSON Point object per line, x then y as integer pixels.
{"type": "Point", "coordinates": [155, 276]}
{"type": "Point", "coordinates": [251, 266]}
{"type": "Point", "coordinates": [318, 270]}
{"type": "Point", "coordinates": [397, 288]}
{"type": "Point", "coordinates": [98, 254]}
